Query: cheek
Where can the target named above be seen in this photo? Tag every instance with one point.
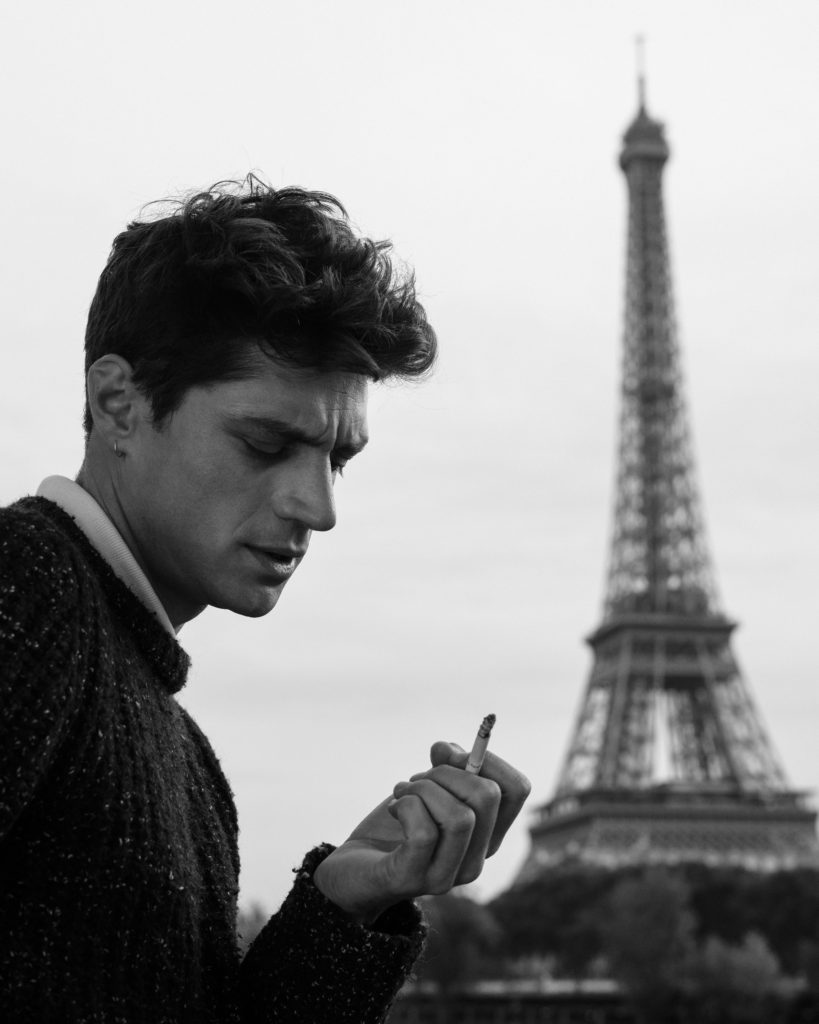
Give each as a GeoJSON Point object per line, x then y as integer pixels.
{"type": "Point", "coordinates": [222, 498]}
{"type": "Point", "coordinates": [207, 491]}
{"type": "Point", "coordinates": [211, 467]}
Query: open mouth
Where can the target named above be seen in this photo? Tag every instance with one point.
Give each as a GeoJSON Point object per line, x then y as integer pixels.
{"type": "Point", "coordinates": [275, 563]}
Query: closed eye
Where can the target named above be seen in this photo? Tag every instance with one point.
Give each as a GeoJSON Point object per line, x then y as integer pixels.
{"type": "Point", "coordinates": [273, 455]}
{"type": "Point", "coordinates": [264, 454]}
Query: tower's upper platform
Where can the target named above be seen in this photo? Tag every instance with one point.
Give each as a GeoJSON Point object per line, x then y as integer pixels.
{"type": "Point", "coordinates": [644, 140]}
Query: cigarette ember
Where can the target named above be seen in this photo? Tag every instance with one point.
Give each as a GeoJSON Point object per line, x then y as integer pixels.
{"type": "Point", "coordinates": [486, 725]}
{"type": "Point", "coordinates": [475, 760]}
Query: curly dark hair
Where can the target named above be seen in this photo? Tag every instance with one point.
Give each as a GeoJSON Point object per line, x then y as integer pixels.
{"type": "Point", "coordinates": [185, 296]}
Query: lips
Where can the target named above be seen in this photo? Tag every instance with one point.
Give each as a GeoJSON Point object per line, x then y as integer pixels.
{"type": "Point", "coordinates": [283, 553]}
{"type": "Point", "coordinates": [279, 563]}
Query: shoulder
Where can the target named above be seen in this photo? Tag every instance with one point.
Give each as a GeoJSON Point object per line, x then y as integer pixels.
{"type": "Point", "coordinates": [33, 539]}
{"type": "Point", "coordinates": [40, 567]}
{"type": "Point", "coordinates": [43, 646]}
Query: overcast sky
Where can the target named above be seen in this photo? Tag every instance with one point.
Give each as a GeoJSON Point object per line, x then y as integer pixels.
{"type": "Point", "coordinates": [469, 558]}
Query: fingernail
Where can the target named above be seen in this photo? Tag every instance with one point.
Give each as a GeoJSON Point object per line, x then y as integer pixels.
{"type": "Point", "coordinates": [400, 789]}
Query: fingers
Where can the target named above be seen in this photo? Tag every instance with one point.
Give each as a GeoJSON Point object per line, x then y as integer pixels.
{"type": "Point", "coordinates": [465, 808]}
{"type": "Point", "coordinates": [411, 860]}
{"type": "Point", "coordinates": [482, 797]}
{"type": "Point", "coordinates": [423, 807]}
{"type": "Point", "coordinates": [514, 786]}
{"type": "Point", "coordinates": [433, 834]}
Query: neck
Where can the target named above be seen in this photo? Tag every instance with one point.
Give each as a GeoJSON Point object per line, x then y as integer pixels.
{"type": "Point", "coordinates": [101, 485]}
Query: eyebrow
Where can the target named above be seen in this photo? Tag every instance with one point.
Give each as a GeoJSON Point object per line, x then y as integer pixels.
{"type": "Point", "coordinates": [287, 432]}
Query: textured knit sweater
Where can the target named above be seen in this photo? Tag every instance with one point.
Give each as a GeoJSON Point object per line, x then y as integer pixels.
{"type": "Point", "coordinates": [118, 834]}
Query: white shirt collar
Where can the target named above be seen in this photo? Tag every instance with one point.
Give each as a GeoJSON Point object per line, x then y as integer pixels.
{"type": "Point", "coordinates": [105, 537]}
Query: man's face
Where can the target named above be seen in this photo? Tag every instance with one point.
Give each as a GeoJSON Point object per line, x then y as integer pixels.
{"type": "Point", "coordinates": [222, 500]}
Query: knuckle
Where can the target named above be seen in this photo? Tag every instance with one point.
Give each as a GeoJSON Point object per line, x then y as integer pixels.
{"type": "Point", "coordinates": [417, 788]}
{"type": "Point", "coordinates": [491, 792]}
{"type": "Point", "coordinates": [463, 821]}
{"type": "Point", "coordinates": [445, 773]}
{"type": "Point", "coordinates": [524, 786]}
{"type": "Point", "coordinates": [442, 753]}
{"type": "Point", "coordinates": [423, 836]}
{"type": "Point", "coordinates": [469, 874]}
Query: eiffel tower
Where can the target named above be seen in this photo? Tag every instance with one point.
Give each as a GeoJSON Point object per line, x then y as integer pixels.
{"type": "Point", "coordinates": [669, 761]}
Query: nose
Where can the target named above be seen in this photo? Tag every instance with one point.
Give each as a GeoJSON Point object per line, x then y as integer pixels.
{"type": "Point", "coordinates": [304, 493]}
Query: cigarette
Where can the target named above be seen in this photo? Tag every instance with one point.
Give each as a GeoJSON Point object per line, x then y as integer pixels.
{"type": "Point", "coordinates": [478, 751]}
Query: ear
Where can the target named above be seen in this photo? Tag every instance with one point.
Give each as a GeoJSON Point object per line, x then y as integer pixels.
{"type": "Point", "coordinates": [116, 405]}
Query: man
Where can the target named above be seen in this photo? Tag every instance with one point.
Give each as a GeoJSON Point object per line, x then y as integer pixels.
{"type": "Point", "coordinates": [228, 352]}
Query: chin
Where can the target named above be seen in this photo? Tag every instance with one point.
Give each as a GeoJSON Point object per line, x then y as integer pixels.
{"type": "Point", "coordinates": [252, 605]}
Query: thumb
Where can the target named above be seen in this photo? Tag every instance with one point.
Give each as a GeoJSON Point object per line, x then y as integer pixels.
{"type": "Point", "coordinates": [447, 753]}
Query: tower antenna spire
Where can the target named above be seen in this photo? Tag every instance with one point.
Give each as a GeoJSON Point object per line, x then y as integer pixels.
{"type": "Point", "coordinates": [639, 42]}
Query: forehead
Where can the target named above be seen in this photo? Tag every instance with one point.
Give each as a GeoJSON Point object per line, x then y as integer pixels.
{"type": "Point", "coordinates": [324, 405]}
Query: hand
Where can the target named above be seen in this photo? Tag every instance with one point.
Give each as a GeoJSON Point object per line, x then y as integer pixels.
{"type": "Point", "coordinates": [434, 832]}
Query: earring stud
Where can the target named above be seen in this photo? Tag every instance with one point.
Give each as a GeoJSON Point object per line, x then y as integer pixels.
{"type": "Point", "coordinates": [117, 452]}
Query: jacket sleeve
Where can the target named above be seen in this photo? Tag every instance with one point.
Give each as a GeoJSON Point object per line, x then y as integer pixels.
{"type": "Point", "coordinates": [311, 963]}
{"type": "Point", "coordinates": [40, 658]}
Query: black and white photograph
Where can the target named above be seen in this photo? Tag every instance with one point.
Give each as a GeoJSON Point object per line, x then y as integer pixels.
{"type": "Point", "coordinates": [408, 496]}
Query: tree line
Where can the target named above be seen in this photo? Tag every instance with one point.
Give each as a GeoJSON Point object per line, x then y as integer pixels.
{"type": "Point", "coordinates": [690, 943]}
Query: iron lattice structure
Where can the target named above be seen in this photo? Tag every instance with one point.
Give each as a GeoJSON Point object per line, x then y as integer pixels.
{"type": "Point", "coordinates": [668, 760]}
